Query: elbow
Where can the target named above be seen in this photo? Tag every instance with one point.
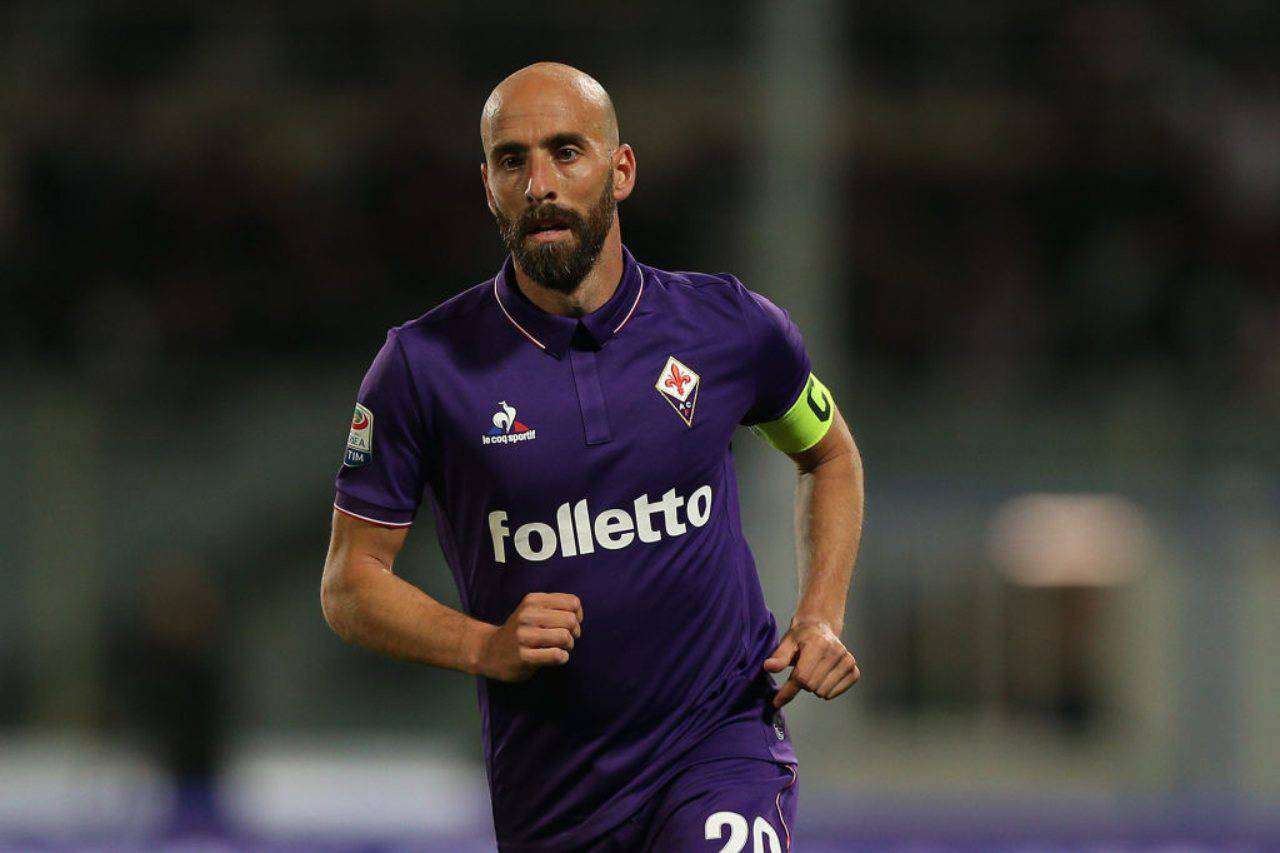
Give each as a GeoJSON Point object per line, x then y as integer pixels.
{"type": "Point", "coordinates": [839, 460]}
{"type": "Point", "coordinates": [337, 601]}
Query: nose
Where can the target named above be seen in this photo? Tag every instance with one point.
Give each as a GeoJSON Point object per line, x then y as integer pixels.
{"type": "Point", "coordinates": [541, 185]}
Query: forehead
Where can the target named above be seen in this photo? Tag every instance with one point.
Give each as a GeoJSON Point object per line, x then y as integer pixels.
{"type": "Point", "coordinates": [530, 111]}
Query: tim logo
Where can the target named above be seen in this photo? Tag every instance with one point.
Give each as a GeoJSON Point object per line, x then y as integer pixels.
{"type": "Point", "coordinates": [679, 386]}
{"type": "Point", "coordinates": [506, 429]}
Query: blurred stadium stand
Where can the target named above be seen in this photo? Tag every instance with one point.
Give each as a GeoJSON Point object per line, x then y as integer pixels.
{"type": "Point", "coordinates": [1038, 244]}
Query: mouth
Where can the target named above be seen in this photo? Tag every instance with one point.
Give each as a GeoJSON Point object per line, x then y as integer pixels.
{"type": "Point", "coordinates": [547, 230]}
{"type": "Point", "coordinates": [549, 234]}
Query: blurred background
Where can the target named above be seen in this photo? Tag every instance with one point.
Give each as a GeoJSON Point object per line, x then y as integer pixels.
{"type": "Point", "coordinates": [1035, 250]}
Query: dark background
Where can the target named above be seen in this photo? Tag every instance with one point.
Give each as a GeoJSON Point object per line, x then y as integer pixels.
{"type": "Point", "coordinates": [1035, 245]}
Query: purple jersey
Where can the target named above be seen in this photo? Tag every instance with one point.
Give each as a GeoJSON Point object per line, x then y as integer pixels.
{"type": "Point", "coordinates": [591, 456]}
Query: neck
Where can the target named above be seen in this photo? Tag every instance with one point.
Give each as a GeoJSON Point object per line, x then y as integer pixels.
{"type": "Point", "coordinates": [593, 291]}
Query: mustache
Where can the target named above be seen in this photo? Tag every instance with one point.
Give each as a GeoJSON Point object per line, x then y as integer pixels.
{"type": "Point", "coordinates": [548, 215]}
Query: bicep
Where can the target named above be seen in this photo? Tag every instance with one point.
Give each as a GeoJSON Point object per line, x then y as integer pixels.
{"type": "Point", "coordinates": [355, 542]}
{"type": "Point", "coordinates": [359, 553]}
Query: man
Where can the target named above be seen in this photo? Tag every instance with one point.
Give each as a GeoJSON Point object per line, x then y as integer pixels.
{"type": "Point", "coordinates": [569, 422]}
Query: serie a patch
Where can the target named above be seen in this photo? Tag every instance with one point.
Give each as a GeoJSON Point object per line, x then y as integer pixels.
{"type": "Point", "coordinates": [360, 441]}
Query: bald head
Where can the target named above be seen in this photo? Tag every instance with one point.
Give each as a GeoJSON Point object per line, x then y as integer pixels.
{"type": "Point", "coordinates": [553, 91]}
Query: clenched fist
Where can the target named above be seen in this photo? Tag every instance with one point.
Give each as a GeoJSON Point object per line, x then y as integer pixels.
{"type": "Point", "coordinates": [541, 632]}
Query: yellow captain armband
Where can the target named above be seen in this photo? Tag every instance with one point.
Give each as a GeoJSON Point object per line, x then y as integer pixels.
{"type": "Point", "coordinates": [804, 424]}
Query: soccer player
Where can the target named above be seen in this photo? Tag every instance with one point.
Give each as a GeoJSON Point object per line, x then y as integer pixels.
{"type": "Point", "coordinates": [569, 423]}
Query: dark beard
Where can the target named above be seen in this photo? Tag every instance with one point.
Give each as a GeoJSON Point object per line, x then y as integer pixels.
{"type": "Point", "coordinates": [560, 266]}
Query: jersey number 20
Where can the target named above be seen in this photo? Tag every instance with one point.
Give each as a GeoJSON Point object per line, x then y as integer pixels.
{"type": "Point", "coordinates": [737, 826]}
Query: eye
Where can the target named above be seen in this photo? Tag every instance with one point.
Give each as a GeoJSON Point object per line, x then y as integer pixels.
{"type": "Point", "coordinates": [509, 162]}
{"type": "Point", "coordinates": [568, 155]}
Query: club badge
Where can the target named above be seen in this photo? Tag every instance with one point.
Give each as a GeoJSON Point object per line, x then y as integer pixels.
{"type": "Point", "coordinates": [679, 385]}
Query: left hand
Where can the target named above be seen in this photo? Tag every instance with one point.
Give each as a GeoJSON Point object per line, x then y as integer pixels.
{"type": "Point", "coordinates": [822, 664]}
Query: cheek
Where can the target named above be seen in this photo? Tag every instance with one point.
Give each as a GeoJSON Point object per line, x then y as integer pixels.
{"type": "Point", "coordinates": [505, 202]}
{"type": "Point", "coordinates": [506, 186]}
{"type": "Point", "coordinates": [585, 189]}
{"type": "Point", "coordinates": [499, 190]}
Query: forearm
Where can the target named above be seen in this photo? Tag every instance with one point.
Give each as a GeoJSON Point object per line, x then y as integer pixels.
{"type": "Point", "coordinates": [372, 607]}
{"type": "Point", "coordinates": [829, 501]}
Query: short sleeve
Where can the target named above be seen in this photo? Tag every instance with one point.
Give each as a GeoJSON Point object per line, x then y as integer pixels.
{"type": "Point", "coordinates": [780, 363]}
{"type": "Point", "coordinates": [383, 472]}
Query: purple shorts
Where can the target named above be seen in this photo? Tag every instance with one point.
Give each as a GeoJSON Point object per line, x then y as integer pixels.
{"type": "Point", "coordinates": [734, 805]}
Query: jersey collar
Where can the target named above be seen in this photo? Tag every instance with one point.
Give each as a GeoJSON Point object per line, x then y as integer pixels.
{"type": "Point", "coordinates": [552, 333]}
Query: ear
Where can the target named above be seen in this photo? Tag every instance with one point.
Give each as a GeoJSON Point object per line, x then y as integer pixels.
{"type": "Point", "coordinates": [488, 193]}
{"type": "Point", "coordinates": [624, 172]}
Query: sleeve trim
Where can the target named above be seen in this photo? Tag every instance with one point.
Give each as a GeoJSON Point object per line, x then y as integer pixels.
{"type": "Point", "coordinates": [378, 522]}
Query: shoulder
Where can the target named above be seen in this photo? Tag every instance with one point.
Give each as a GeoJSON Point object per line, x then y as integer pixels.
{"type": "Point", "coordinates": [720, 293]}
{"type": "Point", "coordinates": [714, 292]}
{"type": "Point", "coordinates": [457, 315]}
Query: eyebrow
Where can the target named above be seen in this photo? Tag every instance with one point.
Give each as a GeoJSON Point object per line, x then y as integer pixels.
{"type": "Point", "coordinates": [551, 143]}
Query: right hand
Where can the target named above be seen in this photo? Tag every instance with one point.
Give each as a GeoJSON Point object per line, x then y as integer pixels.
{"type": "Point", "coordinates": [541, 632]}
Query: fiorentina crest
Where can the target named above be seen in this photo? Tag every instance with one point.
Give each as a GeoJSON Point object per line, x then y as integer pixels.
{"type": "Point", "coordinates": [678, 385]}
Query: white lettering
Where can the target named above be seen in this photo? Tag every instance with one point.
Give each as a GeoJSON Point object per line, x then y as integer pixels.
{"type": "Point", "coordinates": [576, 533]}
{"type": "Point", "coordinates": [582, 520]}
{"type": "Point", "coordinates": [699, 508]}
{"type": "Point", "coordinates": [546, 541]}
{"type": "Point", "coordinates": [761, 832]}
{"type": "Point", "coordinates": [644, 529]}
{"type": "Point", "coordinates": [565, 524]}
{"type": "Point", "coordinates": [498, 532]}
{"type": "Point", "coordinates": [717, 823]}
{"type": "Point", "coordinates": [613, 529]}
{"type": "Point", "coordinates": [670, 503]}
{"type": "Point", "coordinates": [509, 438]}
